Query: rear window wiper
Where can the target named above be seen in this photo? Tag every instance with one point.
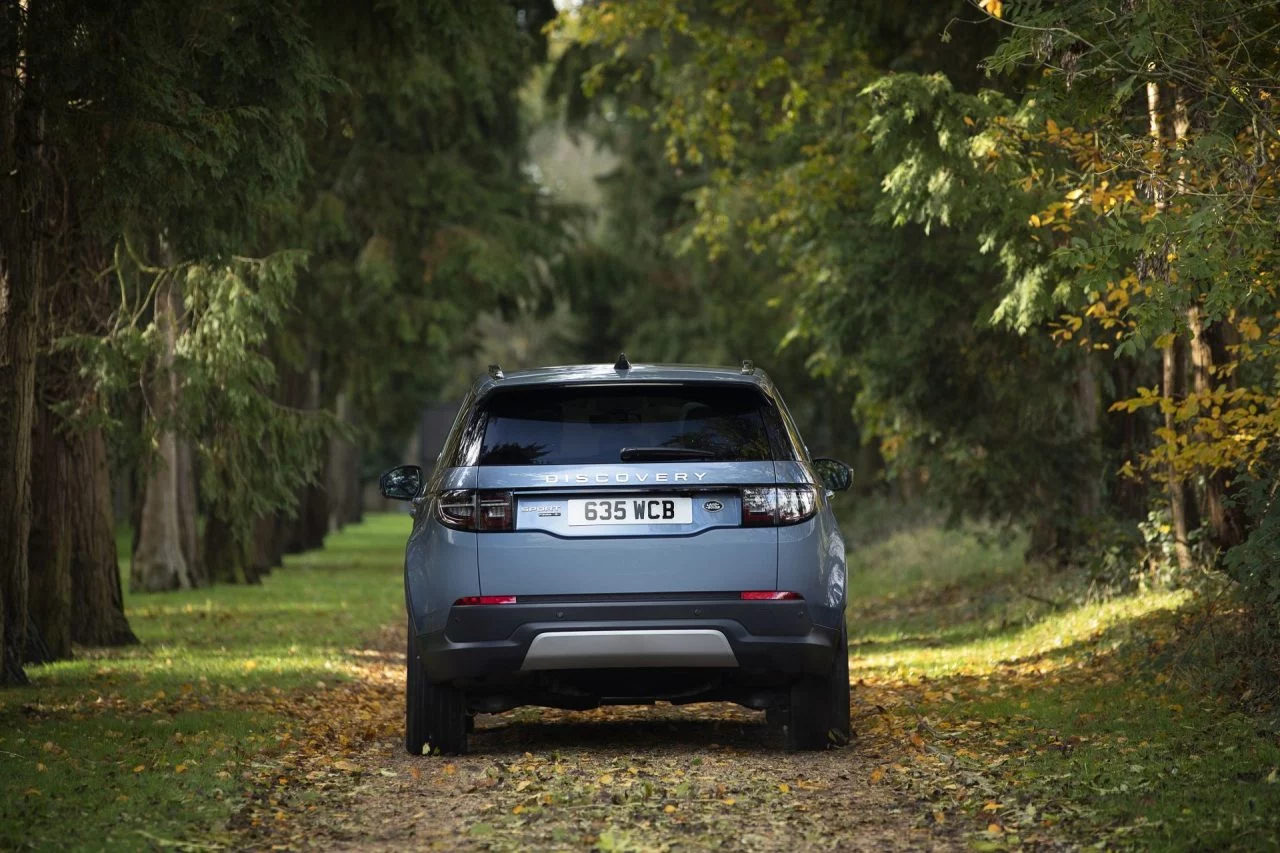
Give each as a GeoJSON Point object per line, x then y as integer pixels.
{"type": "Point", "coordinates": [659, 454]}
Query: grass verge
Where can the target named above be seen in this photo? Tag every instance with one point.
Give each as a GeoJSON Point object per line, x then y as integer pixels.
{"type": "Point", "coordinates": [154, 745]}
{"type": "Point", "coordinates": [1033, 719]}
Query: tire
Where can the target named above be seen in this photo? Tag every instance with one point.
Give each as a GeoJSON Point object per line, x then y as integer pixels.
{"type": "Point", "coordinates": [819, 714]}
{"type": "Point", "coordinates": [435, 718]}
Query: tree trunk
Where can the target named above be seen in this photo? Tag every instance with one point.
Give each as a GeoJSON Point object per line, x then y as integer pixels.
{"type": "Point", "coordinates": [265, 552]}
{"type": "Point", "coordinates": [307, 529]}
{"type": "Point", "coordinates": [342, 480]}
{"type": "Point", "coordinates": [22, 212]}
{"type": "Point", "coordinates": [188, 513]}
{"type": "Point", "coordinates": [1172, 356]}
{"type": "Point", "coordinates": [1226, 528]}
{"type": "Point", "coordinates": [50, 546]}
{"type": "Point", "coordinates": [1089, 496]}
{"type": "Point", "coordinates": [1131, 496]}
{"type": "Point", "coordinates": [1180, 506]}
{"type": "Point", "coordinates": [96, 597]}
{"type": "Point", "coordinates": [228, 559]}
{"type": "Point", "coordinates": [158, 562]}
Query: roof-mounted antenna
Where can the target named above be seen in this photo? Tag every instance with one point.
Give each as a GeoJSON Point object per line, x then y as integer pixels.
{"type": "Point", "coordinates": [622, 363]}
{"type": "Point", "coordinates": [495, 371]}
{"type": "Point", "coordinates": [748, 366]}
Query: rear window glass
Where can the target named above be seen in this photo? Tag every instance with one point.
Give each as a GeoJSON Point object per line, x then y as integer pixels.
{"type": "Point", "coordinates": [584, 426]}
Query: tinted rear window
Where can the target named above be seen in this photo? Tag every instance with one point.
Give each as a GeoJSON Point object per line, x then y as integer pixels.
{"type": "Point", "coordinates": [584, 426]}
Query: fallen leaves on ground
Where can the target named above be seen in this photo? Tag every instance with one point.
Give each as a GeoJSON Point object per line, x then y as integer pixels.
{"type": "Point", "coordinates": [710, 776]}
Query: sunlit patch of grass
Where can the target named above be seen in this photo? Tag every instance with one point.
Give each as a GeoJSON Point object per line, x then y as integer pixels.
{"type": "Point", "coordinates": [149, 742]}
{"type": "Point", "coordinates": [1056, 639]}
{"type": "Point", "coordinates": [1057, 719]}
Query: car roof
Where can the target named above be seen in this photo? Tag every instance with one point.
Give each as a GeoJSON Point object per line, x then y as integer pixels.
{"type": "Point", "coordinates": [593, 374]}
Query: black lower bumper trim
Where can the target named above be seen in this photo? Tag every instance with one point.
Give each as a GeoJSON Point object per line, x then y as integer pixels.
{"type": "Point", "coordinates": [770, 637]}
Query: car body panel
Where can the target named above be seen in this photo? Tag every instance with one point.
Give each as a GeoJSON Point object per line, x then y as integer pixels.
{"type": "Point", "coordinates": [547, 555]}
{"type": "Point", "coordinates": [642, 577]}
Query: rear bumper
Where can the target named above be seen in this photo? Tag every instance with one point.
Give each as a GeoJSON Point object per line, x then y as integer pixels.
{"type": "Point", "coordinates": [764, 637]}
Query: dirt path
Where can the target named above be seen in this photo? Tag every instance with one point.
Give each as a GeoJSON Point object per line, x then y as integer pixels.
{"type": "Point", "coordinates": [709, 776]}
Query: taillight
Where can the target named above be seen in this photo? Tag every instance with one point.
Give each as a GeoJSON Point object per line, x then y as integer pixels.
{"type": "Point", "coordinates": [770, 507]}
{"type": "Point", "coordinates": [457, 509]}
{"type": "Point", "coordinates": [758, 507]}
{"type": "Point", "coordinates": [771, 595]}
{"type": "Point", "coordinates": [497, 511]}
{"type": "Point", "coordinates": [468, 509]}
{"type": "Point", "coordinates": [477, 600]}
{"type": "Point", "coordinates": [796, 503]}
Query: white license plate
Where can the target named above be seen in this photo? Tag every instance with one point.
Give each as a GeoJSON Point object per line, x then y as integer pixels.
{"type": "Point", "coordinates": [631, 511]}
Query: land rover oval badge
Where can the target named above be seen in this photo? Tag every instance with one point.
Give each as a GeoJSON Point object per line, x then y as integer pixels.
{"type": "Point", "coordinates": [713, 506]}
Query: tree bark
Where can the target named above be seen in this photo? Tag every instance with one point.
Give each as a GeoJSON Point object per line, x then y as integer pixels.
{"type": "Point", "coordinates": [188, 513]}
{"type": "Point", "coordinates": [22, 211]}
{"type": "Point", "coordinates": [1087, 413]}
{"type": "Point", "coordinates": [1172, 356]}
{"type": "Point", "coordinates": [1226, 528]}
{"type": "Point", "coordinates": [50, 546]}
{"type": "Point", "coordinates": [342, 481]}
{"type": "Point", "coordinates": [1131, 496]}
{"type": "Point", "coordinates": [97, 601]}
{"type": "Point", "coordinates": [266, 553]}
{"type": "Point", "coordinates": [307, 529]}
{"type": "Point", "coordinates": [1180, 507]}
{"type": "Point", "coordinates": [227, 558]}
{"type": "Point", "coordinates": [158, 562]}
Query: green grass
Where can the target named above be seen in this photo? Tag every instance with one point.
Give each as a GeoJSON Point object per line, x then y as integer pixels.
{"type": "Point", "coordinates": [1057, 718]}
{"type": "Point", "coordinates": [151, 742]}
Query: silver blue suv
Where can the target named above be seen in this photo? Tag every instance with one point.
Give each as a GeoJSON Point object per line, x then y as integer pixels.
{"type": "Point", "coordinates": [621, 535]}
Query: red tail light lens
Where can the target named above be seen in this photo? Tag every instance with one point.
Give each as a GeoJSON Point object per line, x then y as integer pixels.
{"type": "Point", "coordinates": [477, 600]}
{"type": "Point", "coordinates": [497, 511]}
{"type": "Point", "coordinates": [467, 509]}
{"type": "Point", "coordinates": [771, 595]}
{"type": "Point", "coordinates": [759, 507]}
{"type": "Point", "coordinates": [772, 507]}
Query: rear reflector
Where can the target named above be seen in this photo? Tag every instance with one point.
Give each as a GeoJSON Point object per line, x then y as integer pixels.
{"type": "Point", "coordinates": [770, 595]}
{"type": "Point", "coordinates": [473, 600]}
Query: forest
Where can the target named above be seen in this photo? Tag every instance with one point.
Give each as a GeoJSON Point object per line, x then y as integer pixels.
{"type": "Point", "coordinates": [1014, 260]}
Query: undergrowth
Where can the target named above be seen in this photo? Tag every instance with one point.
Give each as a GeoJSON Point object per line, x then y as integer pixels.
{"type": "Point", "coordinates": [1043, 708]}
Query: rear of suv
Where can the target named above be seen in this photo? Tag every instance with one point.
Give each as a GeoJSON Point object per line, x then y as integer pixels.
{"type": "Point", "coordinates": [624, 535]}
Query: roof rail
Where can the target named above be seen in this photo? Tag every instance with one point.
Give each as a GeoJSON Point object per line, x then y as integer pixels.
{"type": "Point", "coordinates": [622, 363]}
{"type": "Point", "coordinates": [748, 366]}
{"type": "Point", "coordinates": [496, 372]}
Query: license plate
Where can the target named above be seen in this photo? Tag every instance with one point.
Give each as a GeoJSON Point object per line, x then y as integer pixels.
{"type": "Point", "coordinates": [631, 511]}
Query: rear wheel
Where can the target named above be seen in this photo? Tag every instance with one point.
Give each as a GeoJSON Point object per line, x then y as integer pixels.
{"type": "Point", "coordinates": [435, 718]}
{"type": "Point", "coordinates": [819, 713]}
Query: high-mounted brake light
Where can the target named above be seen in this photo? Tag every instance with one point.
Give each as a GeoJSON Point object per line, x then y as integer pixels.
{"type": "Point", "coordinates": [771, 595]}
{"type": "Point", "coordinates": [468, 509]}
{"type": "Point", "coordinates": [774, 507]}
{"type": "Point", "coordinates": [475, 600]}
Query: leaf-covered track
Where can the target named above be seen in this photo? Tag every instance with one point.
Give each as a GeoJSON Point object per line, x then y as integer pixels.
{"type": "Point", "coordinates": [701, 777]}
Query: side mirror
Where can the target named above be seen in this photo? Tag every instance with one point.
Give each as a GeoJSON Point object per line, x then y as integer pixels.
{"type": "Point", "coordinates": [835, 475]}
{"type": "Point", "coordinates": [401, 483]}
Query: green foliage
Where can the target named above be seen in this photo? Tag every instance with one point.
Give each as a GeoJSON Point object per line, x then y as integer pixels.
{"type": "Point", "coordinates": [776, 116]}
{"type": "Point", "coordinates": [187, 119]}
{"type": "Point", "coordinates": [255, 454]}
{"type": "Point", "coordinates": [418, 214]}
